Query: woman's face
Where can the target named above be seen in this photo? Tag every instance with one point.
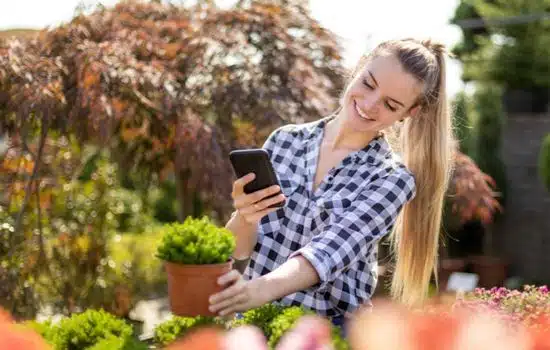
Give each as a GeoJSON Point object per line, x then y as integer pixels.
{"type": "Point", "coordinates": [380, 94]}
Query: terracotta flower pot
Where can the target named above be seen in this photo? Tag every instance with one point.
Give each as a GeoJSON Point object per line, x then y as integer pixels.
{"type": "Point", "coordinates": [492, 271]}
{"type": "Point", "coordinates": [190, 286]}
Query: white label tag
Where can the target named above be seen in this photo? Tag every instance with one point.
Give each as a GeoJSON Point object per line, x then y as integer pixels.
{"type": "Point", "coordinates": [462, 282]}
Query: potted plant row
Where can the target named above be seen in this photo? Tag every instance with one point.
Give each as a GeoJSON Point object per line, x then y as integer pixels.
{"type": "Point", "coordinates": [195, 254]}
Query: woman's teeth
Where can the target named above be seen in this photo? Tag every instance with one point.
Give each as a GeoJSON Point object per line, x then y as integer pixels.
{"type": "Point", "coordinates": [363, 115]}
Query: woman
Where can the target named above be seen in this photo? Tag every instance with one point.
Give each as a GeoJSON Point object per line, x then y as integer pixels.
{"type": "Point", "coordinates": [345, 189]}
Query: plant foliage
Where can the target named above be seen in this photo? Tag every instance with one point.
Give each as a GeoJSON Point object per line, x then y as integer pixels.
{"type": "Point", "coordinates": [197, 242]}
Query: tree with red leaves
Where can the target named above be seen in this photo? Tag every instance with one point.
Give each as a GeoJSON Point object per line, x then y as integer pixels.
{"type": "Point", "coordinates": [173, 88]}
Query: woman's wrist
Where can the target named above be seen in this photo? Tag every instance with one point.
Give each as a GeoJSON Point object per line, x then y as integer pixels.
{"type": "Point", "coordinates": [241, 221]}
{"type": "Point", "coordinates": [245, 234]}
{"type": "Point", "coordinates": [262, 287]}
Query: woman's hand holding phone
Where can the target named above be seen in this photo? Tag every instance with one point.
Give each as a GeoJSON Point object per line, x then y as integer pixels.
{"type": "Point", "coordinates": [254, 206]}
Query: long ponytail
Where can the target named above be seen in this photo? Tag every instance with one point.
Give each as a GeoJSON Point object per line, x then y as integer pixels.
{"type": "Point", "coordinates": [426, 143]}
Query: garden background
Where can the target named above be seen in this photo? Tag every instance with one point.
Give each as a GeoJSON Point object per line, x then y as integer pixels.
{"type": "Point", "coordinates": [119, 120]}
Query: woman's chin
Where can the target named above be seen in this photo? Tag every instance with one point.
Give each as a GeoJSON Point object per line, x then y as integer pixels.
{"type": "Point", "coordinates": [355, 121]}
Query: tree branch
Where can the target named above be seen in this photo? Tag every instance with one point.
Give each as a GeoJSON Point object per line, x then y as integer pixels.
{"type": "Point", "coordinates": [28, 188]}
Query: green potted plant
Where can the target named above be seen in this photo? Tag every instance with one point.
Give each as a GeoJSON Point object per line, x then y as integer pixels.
{"type": "Point", "coordinates": [195, 254]}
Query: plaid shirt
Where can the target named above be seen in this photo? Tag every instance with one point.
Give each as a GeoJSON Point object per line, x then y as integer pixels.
{"type": "Point", "coordinates": [336, 227]}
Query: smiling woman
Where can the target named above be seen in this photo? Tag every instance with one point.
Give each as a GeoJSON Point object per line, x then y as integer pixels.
{"type": "Point", "coordinates": [380, 94]}
{"type": "Point", "coordinates": [346, 188]}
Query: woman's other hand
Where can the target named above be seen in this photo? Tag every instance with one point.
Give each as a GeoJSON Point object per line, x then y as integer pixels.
{"type": "Point", "coordinates": [239, 294]}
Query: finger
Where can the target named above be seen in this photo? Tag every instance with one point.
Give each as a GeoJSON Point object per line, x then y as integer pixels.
{"type": "Point", "coordinates": [260, 206]}
{"type": "Point", "coordinates": [261, 194]}
{"type": "Point", "coordinates": [268, 202]}
{"type": "Point", "coordinates": [238, 185]}
{"type": "Point", "coordinates": [244, 201]}
{"type": "Point", "coordinates": [230, 277]}
{"type": "Point", "coordinates": [228, 303]}
{"type": "Point", "coordinates": [227, 293]}
{"type": "Point", "coordinates": [236, 307]}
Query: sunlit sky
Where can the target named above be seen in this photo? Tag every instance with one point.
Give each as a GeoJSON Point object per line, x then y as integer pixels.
{"type": "Point", "coordinates": [359, 24]}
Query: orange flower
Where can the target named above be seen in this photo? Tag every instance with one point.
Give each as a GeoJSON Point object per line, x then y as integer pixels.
{"type": "Point", "coordinates": [430, 331]}
{"type": "Point", "coordinates": [201, 339]}
{"type": "Point", "coordinates": [14, 336]}
{"type": "Point", "coordinates": [5, 317]}
{"type": "Point", "coordinates": [539, 333]}
{"type": "Point", "coordinates": [390, 326]}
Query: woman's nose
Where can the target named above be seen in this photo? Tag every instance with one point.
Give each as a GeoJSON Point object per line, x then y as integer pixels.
{"type": "Point", "coordinates": [368, 104]}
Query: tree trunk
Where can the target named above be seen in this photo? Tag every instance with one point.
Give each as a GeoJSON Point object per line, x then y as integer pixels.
{"type": "Point", "coordinates": [184, 195]}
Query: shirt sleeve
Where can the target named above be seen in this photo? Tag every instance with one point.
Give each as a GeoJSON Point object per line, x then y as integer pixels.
{"type": "Point", "coordinates": [271, 142]}
{"type": "Point", "coordinates": [350, 235]}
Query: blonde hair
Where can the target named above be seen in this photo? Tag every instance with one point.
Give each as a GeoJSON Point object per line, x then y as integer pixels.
{"type": "Point", "coordinates": [426, 143]}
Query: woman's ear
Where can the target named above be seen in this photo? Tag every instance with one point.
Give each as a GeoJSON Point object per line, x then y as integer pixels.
{"type": "Point", "coordinates": [414, 111]}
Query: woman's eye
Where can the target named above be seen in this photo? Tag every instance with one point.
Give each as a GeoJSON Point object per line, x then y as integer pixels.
{"type": "Point", "coordinates": [390, 107]}
{"type": "Point", "coordinates": [366, 83]}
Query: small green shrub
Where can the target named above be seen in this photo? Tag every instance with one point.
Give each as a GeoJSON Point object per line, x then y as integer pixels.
{"type": "Point", "coordinates": [114, 343]}
{"type": "Point", "coordinates": [544, 162]}
{"type": "Point", "coordinates": [260, 317]}
{"type": "Point", "coordinates": [196, 241]}
{"type": "Point", "coordinates": [177, 327]}
{"type": "Point", "coordinates": [338, 341]}
{"type": "Point", "coordinates": [84, 330]}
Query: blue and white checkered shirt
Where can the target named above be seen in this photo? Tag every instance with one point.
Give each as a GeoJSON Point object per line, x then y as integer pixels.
{"type": "Point", "coordinates": [337, 227]}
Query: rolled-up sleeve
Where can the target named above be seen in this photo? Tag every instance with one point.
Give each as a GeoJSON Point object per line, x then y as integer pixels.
{"type": "Point", "coordinates": [349, 235]}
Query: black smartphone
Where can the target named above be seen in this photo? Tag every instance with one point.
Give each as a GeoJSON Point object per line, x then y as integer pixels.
{"type": "Point", "coordinates": [255, 160]}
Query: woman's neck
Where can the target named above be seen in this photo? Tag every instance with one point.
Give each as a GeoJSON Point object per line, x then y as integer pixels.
{"type": "Point", "coordinates": [339, 136]}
